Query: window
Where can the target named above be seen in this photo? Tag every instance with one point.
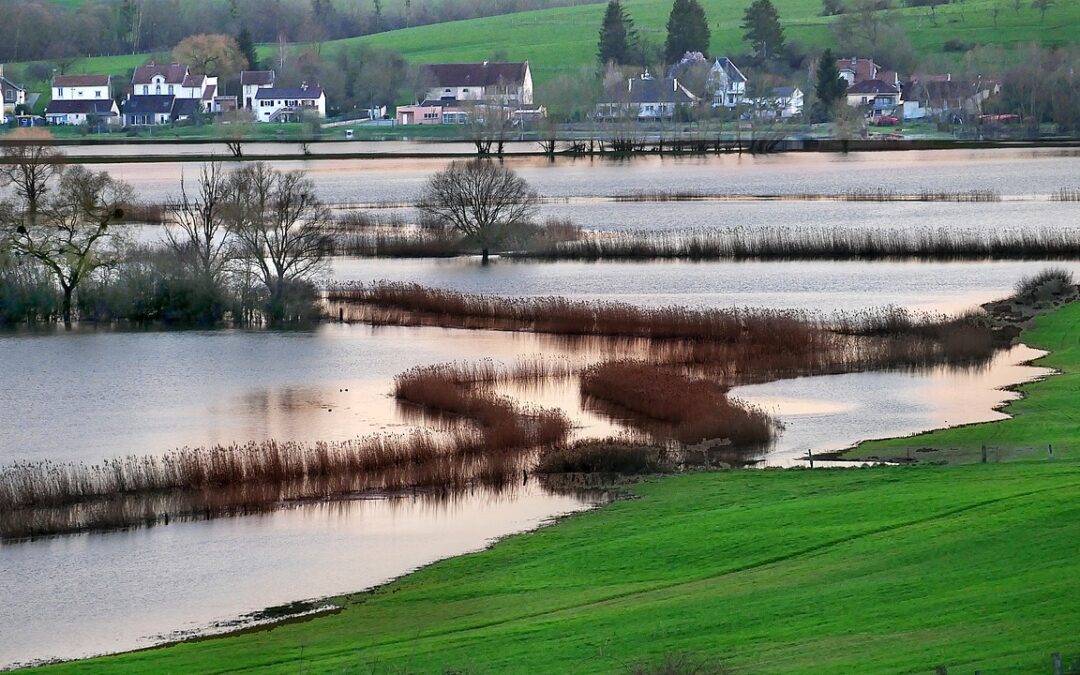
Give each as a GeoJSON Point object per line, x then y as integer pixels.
{"type": "Point", "coordinates": [170, 90]}
{"type": "Point", "coordinates": [157, 88]}
{"type": "Point", "coordinates": [97, 94]}
{"type": "Point", "coordinates": [146, 89]}
{"type": "Point", "coordinates": [60, 92]}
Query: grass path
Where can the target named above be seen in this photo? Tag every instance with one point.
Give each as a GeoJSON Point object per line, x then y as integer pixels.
{"type": "Point", "coordinates": [1049, 413]}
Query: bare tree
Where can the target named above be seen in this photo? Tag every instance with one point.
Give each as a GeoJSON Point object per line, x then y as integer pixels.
{"type": "Point", "coordinates": [480, 199]}
{"type": "Point", "coordinates": [72, 234]}
{"type": "Point", "coordinates": [1042, 6]}
{"type": "Point", "coordinates": [197, 231]}
{"type": "Point", "coordinates": [280, 226]}
{"type": "Point", "coordinates": [30, 164]}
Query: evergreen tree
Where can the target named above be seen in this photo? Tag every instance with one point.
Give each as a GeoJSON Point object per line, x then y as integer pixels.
{"type": "Point", "coordinates": [618, 39]}
{"type": "Point", "coordinates": [687, 30]}
{"type": "Point", "coordinates": [761, 22]}
{"type": "Point", "coordinates": [247, 47]}
{"type": "Point", "coordinates": [829, 88]}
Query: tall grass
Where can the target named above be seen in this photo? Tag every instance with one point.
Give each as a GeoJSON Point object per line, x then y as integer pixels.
{"type": "Point", "coordinates": [1050, 282]}
{"type": "Point", "coordinates": [412, 304]}
{"type": "Point", "coordinates": [696, 410]}
{"type": "Point", "coordinates": [854, 195]}
{"type": "Point", "coordinates": [787, 243]}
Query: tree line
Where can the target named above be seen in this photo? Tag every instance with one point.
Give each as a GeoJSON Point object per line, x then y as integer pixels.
{"type": "Point", "coordinates": [242, 245]}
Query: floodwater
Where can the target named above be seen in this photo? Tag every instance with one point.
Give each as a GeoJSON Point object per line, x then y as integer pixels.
{"type": "Point", "coordinates": [818, 286]}
{"type": "Point", "coordinates": [91, 394]}
{"type": "Point", "coordinates": [124, 590]}
{"type": "Point", "coordinates": [1007, 172]}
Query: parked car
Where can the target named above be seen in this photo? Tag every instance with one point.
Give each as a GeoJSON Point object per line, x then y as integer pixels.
{"type": "Point", "coordinates": [885, 121]}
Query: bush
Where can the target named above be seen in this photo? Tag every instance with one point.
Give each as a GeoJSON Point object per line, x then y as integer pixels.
{"type": "Point", "coordinates": [1050, 282]}
{"type": "Point", "coordinates": [955, 45]}
{"type": "Point", "coordinates": [609, 455]}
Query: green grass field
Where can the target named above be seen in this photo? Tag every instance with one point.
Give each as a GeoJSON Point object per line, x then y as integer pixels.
{"type": "Point", "coordinates": [562, 40]}
{"type": "Point", "coordinates": [1048, 415]}
{"type": "Point", "coordinates": [874, 570]}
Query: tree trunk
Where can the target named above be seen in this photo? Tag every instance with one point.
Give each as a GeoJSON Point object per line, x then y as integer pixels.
{"type": "Point", "coordinates": [65, 309]}
{"type": "Point", "coordinates": [484, 257]}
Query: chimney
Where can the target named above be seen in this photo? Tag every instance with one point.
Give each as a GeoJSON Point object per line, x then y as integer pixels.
{"type": "Point", "coordinates": [630, 84]}
{"type": "Point", "coordinates": [1, 70]}
{"type": "Point", "coordinates": [674, 84]}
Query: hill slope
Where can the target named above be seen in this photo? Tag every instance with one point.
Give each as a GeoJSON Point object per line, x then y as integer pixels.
{"type": "Point", "coordinates": [564, 39]}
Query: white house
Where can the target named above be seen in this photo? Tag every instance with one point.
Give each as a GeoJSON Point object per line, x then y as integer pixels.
{"type": "Point", "coordinates": [877, 97]}
{"type": "Point", "coordinates": [646, 98]}
{"type": "Point", "coordinates": [251, 81]}
{"type": "Point", "coordinates": [727, 83]}
{"type": "Point", "coordinates": [11, 95]}
{"type": "Point", "coordinates": [509, 84]}
{"type": "Point", "coordinates": [162, 94]}
{"type": "Point", "coordinates": [78, 98]}
{"type": "Point", "coordinates": [282, 104]}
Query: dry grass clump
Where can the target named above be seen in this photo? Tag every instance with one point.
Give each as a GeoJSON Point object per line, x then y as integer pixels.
{"type": "Point", "coordinates": [504, 425]}
{"type": "Point", "coordinates": [787, 243]}
{"type": "Point", "coordinates": [605, 455]}
{"type": "Point", "coordinates": [697, 409]}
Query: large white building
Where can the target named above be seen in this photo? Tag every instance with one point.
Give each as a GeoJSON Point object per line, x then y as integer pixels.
{"type": "Point", "coordinates": [251, 81]}
{"type": "Point", "coordinates": [161, 94]}
{"type": "Point", "coordinates": [76, 99]}
{"type": "Point", "coordinates": [289, 104]}
{"type": "Point", "coordinates": [508, 84]}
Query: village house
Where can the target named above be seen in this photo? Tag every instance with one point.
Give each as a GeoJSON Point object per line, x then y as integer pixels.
{"type": "Point", "coordinates": [81, 99]}
{"type": "Point", "coordinates": [942, 96]}
{"type": "Point", "coordinates": [781, 103]}
{"type": "Point", "coordinates": [163, 94]}
{"type": "Point", "coordinates": [11, 95]}
{"type": "Point", "coordinates": [507, 84]}
{"type": "Point", "coordinates": [727, 84]}
{"type": "Point", "coordinates": [289, 104]}
{"type": "Point", "coordinates": [855, 70]}
{"type": "Point", "coordinates": [251, 81]}
{"type": "Point", "coordinates": [646, 99]}
{"type": "Point", "coordinates": [876, 97]}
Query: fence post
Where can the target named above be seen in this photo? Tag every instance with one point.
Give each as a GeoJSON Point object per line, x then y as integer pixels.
{"type": "Point", "coordinates": [1050, 449]}
{"type": "Point", "coordinates": [810, 455]}
{"type": "Point", "coordinates": [984, 454]}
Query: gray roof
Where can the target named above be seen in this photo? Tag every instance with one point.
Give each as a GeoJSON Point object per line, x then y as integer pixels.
{"type": "Point", "coordinates": [148, 104]}
{"type": "Point", "coordinates": [649, 91]}
{"type": "Point", "coordinates": [484, 74]}
{"type": "Point", "coordinates": [729, 68]}
{"type": "Point", "coordinates": [96, 107]}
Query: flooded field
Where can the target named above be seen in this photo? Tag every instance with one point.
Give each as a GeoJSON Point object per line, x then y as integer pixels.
{"type": "Point", "coordinates": [96, 393]}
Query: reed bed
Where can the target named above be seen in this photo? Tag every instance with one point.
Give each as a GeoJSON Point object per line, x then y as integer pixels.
{"type": "Point", "coordinates": [697, 410]}
{"type": "Point", "coordinates": [854, 195]}
{"type": "Point", "coordinates": [412, 304]}
{"type": "Point", "coordinates": [1066, 194]}
{"type": "Point", "coordinates": [437, 479]}
{"type": "Point", "coordinates": [605, 455]}
{"type": "Point", "coordinates": [503, 423]}
{"type": "Point", "coordinates": [785, 243]}
{"type": "Point", "coordinates": [1050, 282]}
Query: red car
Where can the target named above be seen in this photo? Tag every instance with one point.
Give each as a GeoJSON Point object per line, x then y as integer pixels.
{"type": "Point", "coordinates": [885, 121]}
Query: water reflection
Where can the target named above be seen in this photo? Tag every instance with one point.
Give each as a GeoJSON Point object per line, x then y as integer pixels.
{"type": "Point", "coordinates": [124, 590]}
{"type": "Point", "coordinates": [833, 412]}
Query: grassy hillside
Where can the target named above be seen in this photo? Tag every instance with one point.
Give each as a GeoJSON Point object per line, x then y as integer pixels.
{"type": "Point", "coordinates": [1047, 415]}
{"type": "Point", "coordinates": [563, 39]}
{"type": "Point", "coordinates": [881, 570]}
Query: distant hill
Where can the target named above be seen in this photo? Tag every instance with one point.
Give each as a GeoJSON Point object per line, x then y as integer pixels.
{"type": "Point", "coordinates": [564, 39]}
